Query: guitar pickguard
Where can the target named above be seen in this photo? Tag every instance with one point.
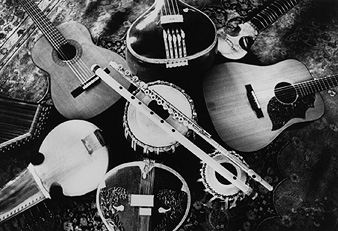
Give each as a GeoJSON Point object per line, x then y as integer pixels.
{"type": "Point", "coordinates": [280, 113]}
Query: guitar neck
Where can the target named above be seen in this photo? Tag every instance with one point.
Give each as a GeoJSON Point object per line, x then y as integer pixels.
{"type": "Point", "coordinates": [316, 85]}
{"type": "Point", "coordinates": [55, 38]}
{"type": "Point", "coordinates": [20, 194]}
{"type": "Point", "coordinates": [271, 13]}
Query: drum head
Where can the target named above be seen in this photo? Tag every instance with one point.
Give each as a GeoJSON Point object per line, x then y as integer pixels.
{"type": "Point", "coordinates": [138, 196]}
{"type": "Point", "coordinates": [144, 132]}
{"type": "Point", "coordinates": [219, 187]}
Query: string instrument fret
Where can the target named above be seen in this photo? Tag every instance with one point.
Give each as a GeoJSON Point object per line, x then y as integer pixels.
{"type": "Point", "coordinates": [316, 85]}
{"type": "Point", "coordinates": [271, 13]}
{"type": "Point", "coordinates": [54, 36]}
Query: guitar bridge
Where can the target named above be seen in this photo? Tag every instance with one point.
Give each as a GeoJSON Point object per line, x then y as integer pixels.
{"type": "Point", "coordinates": [84, 86]}
{"type": "Point", "coordinates": [253, 101]}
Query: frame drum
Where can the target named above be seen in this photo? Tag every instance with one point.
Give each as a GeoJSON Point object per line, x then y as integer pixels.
{"type": "Point", "coordinates": [144, 133]}
{"type": "Point", "coordinates": [138, 196]}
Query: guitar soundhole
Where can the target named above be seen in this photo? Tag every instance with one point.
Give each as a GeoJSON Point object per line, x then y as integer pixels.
{"type": "Point", "coordinates": [67, 52]}
{"type": "Point", "coordinates": [231, 169]}
{"type": "Point", "coordinates": [285, 93]}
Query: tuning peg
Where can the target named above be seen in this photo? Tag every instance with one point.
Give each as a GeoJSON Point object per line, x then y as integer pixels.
{"type": "Point", "coordinates": [246, 42]}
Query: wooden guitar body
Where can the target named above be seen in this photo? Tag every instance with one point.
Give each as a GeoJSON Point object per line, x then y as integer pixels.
{"type": "Point", "coordinates": [163, 42]}
{"type": "Point", "coordinates": [64, 79]}
{"type": "Point", "coordinates": [226, 89]}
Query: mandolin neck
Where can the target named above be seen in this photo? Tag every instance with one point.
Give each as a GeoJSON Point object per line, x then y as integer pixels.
{"type": "Point", "coordinates": [316, 85]}
{"type": "Point", "coordinates": [20, 194]}
{"type": "Point", "coordinates": [271, 13]}
{"type": "Point", "coordinates": [55, 38]}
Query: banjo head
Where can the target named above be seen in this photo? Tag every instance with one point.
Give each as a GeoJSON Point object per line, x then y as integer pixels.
{"type": "Point", "coordinates": [136, 196]}
{"type": "Point", "coordinates": [144, 133]}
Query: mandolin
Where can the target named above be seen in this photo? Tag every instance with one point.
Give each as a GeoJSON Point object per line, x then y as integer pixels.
{"type": "Point", "coordinates": [251, 105]}
{"type": "Point", "coordinates": [74, 157]}
{"type": "Point", "coordinates": [235, 45]}
{"type": "Point", "coordinates": [171, 35]}
{"type": "Point", "coordinates": [67, 53]}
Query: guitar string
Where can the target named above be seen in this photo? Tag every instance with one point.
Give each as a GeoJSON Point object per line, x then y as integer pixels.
{"type": "Point", "coordinates": [177, 8]}
{"type": "Point", "coordinates": [166, 7]}
{"type": "Point", "coordinates": [171, 9]}
{"type": "Point", "coordinates": [50, 38]}
{"type": "Point", "coordinates": [307, 87]}
{"type": "Point", "coordinates": [86, 71]}
{"type": "Point", "coordinates": [83, 69]}
{"type": "Point", "coordinates": [320, 84]}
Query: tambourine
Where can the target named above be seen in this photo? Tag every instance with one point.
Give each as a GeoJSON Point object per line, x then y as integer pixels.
{"type": "Point", "coordinates": [143, 195]}
{"type": "Point", "coordinates": [144, 133]}
{"type": "Point", "coordinates": [218, 186]}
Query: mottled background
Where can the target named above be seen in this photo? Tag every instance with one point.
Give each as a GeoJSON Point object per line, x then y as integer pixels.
{"type": "Point", "coordinates": [301, 163]}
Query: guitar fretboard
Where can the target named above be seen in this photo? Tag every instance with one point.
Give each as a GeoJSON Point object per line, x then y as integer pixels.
{"type": "Point", "coordinates": [316, 85]}
{"type": "Point", "coordinates": [56, 39]}
{"type": "Point", "coordinates": [272, 12]}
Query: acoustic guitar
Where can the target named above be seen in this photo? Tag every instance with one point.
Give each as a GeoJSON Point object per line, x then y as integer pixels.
{"type": "Point", "coordinates": [235, 44]}
{"type": "Point", "coordinates": [251, 105]}
{"type": "Point", "coordinates": [67, 52]}
{"type": "Point", "coordinates": [74, 157]}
